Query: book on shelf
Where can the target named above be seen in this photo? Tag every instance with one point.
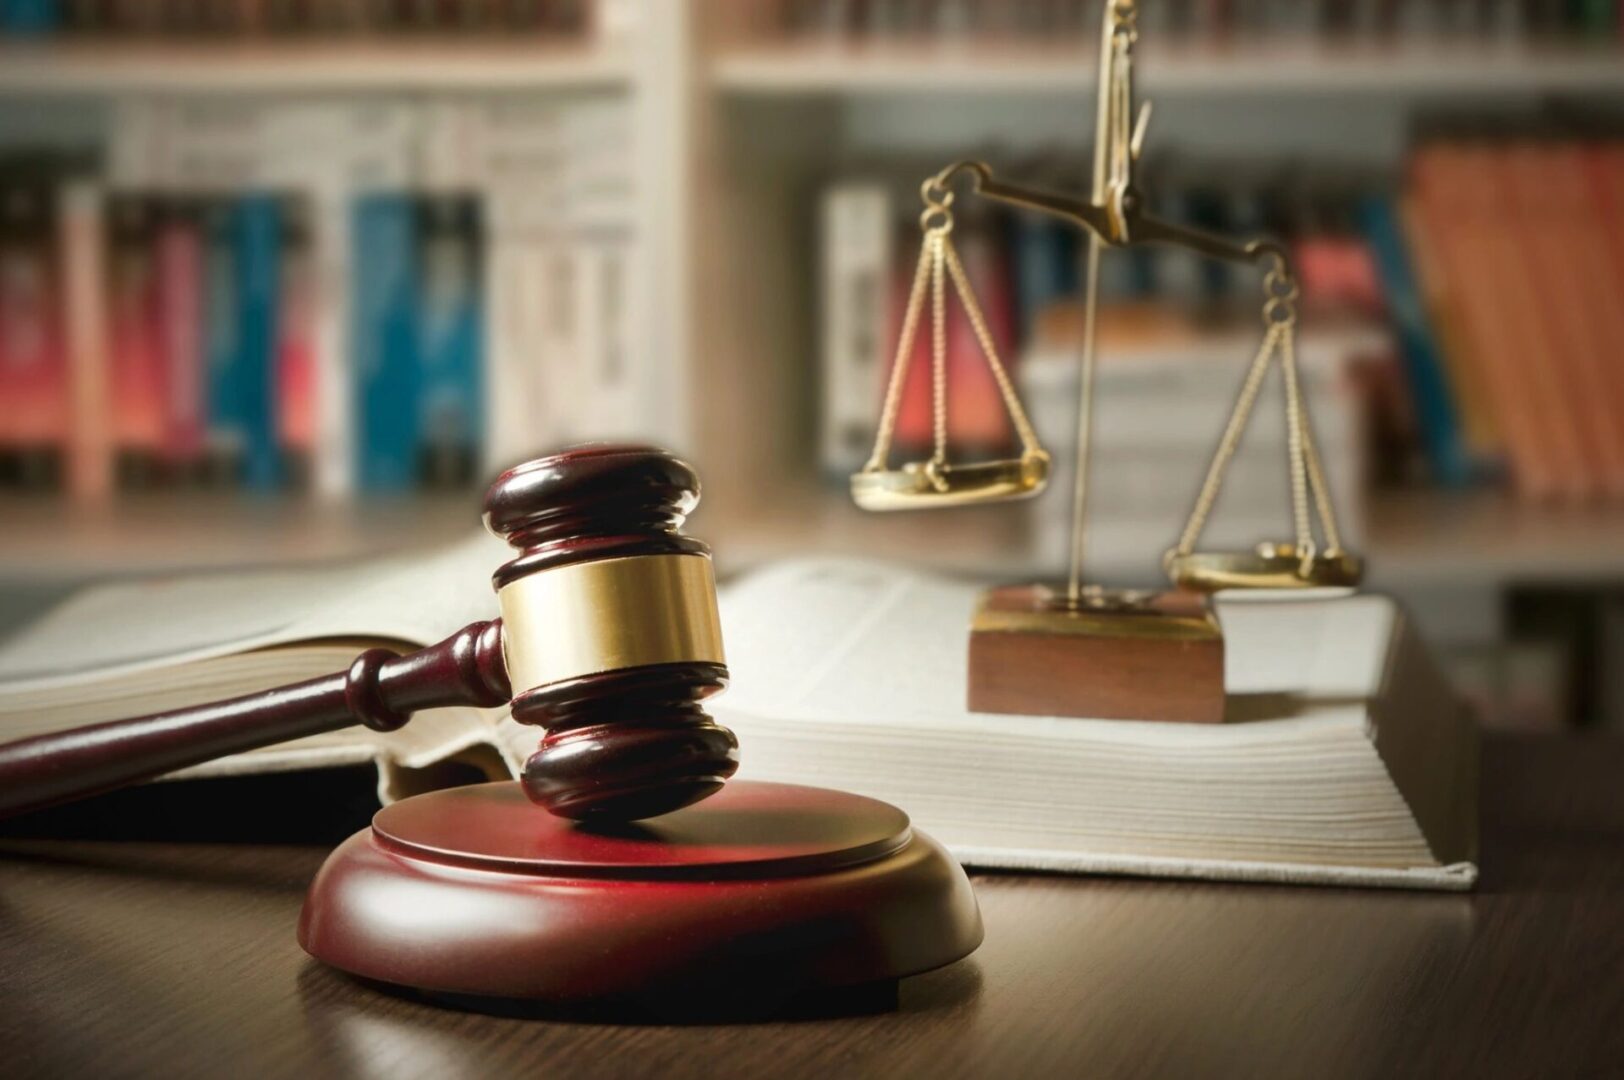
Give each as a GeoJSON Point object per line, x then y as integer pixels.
{"type": "Point", "coordinates": [34, 367]}
{"type": "Point", "coordinates": [1346, 760]}
{"type": "Point", "coordinates": [1438, 412]}
{"type": "Point", "coordinates": [383, 331]}
{"type": "Point", "coordinates": [85, 330]}
{"type": "Point", "coordinates": [1514, 243]}
{"type": "Point", "coordinates": [857, 225]}
{"type": "Point", "coordinates": [245, 330]}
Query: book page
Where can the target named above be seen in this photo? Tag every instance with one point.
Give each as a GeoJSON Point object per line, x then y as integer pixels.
{"type": "Point", "coordinates": [843, 640]}
{"type": "Point", "coordinates": [106, 630]}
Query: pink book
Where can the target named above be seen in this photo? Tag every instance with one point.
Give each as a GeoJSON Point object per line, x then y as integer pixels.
{"type": "Point", "coordinates": [179, 286]}
{"type": "Point", "coordinates": [296, 348]}
{"type": "Point", "coordinates": [84, 303]}
{"type": "Point", "coordinates": [135, 356]}
{"type": "Point", "coordinates": [978, 425]}
{"type": "Point", "coordinates": [913, 436]}
{"type": "Point", "coordinates": [33, 364]}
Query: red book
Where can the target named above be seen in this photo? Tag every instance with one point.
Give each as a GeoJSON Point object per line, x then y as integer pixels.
{"type": "Point", "coordinates": [179, 291]}
{"type": "Point", "coordinates": [135, 356]}
{"type": "Point", "coordinates": [296, 347]}
{"type": "Point", "coordinates": [33, 364]}
{"type": "Point", "coordinates": [978, 424]}
{"type": "Point", "coordinates": [84, 302]}
{"type": "Point", "coordinates": [914, 436]}
{"type": "Point", "coordinates": [1603, 166]}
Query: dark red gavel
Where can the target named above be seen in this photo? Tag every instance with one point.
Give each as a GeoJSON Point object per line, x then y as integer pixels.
{"type": "Point", "coordinates": [609, 633]}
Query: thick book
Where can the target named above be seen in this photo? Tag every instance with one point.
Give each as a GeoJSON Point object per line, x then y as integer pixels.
{"type": "Point", "coordinates": [1345, 759]}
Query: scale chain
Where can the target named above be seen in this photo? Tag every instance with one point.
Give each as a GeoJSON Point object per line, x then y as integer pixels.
{"type": "Point", "coordinates": [899, 365]}
{"type": "Point", "coordinates": [938, 262]}
{"type": "Point", "coordinates": [978, 322]}
{"type": "Point", "coordinates": [1316, 474]}
{"type": "Point", "coordinates": [1228, 443]}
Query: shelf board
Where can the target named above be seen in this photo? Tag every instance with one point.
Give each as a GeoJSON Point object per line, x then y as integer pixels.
{"type": "Point", "coordinates": [1418, 539]}
{"type": "Point", "coordinates": [814, 69]}
{"type": "Point", "coordinates": [305, 69]}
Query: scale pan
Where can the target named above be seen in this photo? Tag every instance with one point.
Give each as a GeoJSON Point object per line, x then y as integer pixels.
{"type": "Point", "coordinates": [1270, 566]}
{"type": "Point", "coordinates": [916, 487]}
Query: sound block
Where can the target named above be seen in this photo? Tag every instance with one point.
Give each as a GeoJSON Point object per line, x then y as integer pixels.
{"type": "Point", "coordinates": [1113, 656]}
{"type": "Point", "coordinates": [769, 888]}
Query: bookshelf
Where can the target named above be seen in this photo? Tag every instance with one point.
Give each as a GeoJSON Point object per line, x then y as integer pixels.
{"type": "Point", "coordinates": [1414, 538]}
{"type": "Point", "coordinates": [789, 70]}
{"type": "Point", "coordinates": [734, 130]}
{"type": "Point", "coordinates": [234, 68]}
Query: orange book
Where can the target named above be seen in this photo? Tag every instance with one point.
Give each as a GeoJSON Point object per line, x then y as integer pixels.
{"type": "Point", "coordinates": [1442, 305]}
{"type": "Point", "coordinates": [1587, 292]}
{"type": "Point", "coordinates": [1457, 202]}
{"type": "Point", "coordinates": [1539, 373]}
{"type": "Point", "coordinates": [33, 363]}
{"type": "Point", "coordinates": [135, 353]}
{"type": "Point", "coordinates": [84, 308]}
{"type": "Point", "coordinates": [978, 425]}
{"type": "Point", "coordinates": [1604, 173]}
{"type": "Point", "coordinates": [1547, 187]}
{"type": "Point", "coordinates": [914, 431]}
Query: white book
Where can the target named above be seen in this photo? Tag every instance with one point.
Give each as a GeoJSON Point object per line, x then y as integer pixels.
{"type": "Point", "coordinates": [856, 300]}
{"type": "Point", "coordinates": [1347, 759]}
{"type": "Point", "coordinates": [516, 306]}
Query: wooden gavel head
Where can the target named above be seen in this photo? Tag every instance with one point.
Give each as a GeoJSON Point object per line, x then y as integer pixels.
{"type": "Point", "coordinates": [610, 632]}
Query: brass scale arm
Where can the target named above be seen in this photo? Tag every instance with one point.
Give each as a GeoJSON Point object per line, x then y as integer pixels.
{"type": "Point", "coordinates": [1119, 225]}
{"type": "Point", "coordinates": [1116, 215]}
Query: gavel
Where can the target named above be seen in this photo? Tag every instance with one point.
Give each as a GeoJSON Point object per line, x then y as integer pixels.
{"type": "Point", "coordinates": [608, 639]}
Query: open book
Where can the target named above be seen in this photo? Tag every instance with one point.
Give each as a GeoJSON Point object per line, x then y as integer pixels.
{"type": "Point", "coordinates": [128, 649]}
{"type": "Point", "coordinates": [1346, 759]}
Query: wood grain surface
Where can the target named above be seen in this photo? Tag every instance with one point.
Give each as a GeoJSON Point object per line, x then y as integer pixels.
{"type": "Point", "coordinates": [166, 959]}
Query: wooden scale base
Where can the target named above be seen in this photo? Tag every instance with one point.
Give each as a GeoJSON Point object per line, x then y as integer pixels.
{"type": "Point", "coordinates": [768, 888]}
{"type": "Point", "coordinates": [1111, 656]}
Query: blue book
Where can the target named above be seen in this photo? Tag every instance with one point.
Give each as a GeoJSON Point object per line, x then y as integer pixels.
{"type": "Point", "coordinates": [222, 332]}
{"type": "Point", "coordinates": [30, 18]}
{"type": "Point", "coordinates": [241, 257]}
{"type": "Point", "coordinates": [451, 395]}
{"type": "Point", "coordinates": [383, 334]}
{"type": "Point", "coordinates": [1437, 412]}
{"type": "Point", "coordinates": [1046, 267]}
{"type": "Point", "coordinates": [257, 236]}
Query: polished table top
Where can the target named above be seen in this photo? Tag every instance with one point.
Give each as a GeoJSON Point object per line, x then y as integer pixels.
{"type": "Point", "coordinates": [169, 959]}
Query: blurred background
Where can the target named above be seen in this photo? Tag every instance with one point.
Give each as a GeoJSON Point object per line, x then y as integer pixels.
{"type": "Point", "coordinates": [289, 280]}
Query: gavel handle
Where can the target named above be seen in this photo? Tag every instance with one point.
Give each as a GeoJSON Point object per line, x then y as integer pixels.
{"type": "Point", "coordinates": [380, 690]}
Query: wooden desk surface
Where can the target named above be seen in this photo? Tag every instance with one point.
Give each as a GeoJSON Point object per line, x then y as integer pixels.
{"type": "Point", "coordinates": [124, 959]}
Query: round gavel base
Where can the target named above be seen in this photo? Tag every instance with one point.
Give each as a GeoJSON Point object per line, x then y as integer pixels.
{"type": "Point", "coordinates": [762, 887]}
